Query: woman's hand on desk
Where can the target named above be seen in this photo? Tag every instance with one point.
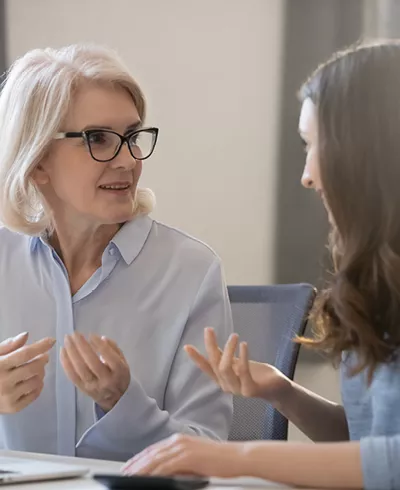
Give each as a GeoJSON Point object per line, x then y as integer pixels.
{"type": "Point", "coordinates": [22, 371]}
{"type": "Point", "coordinates": [97, 367]}
{"type": "Point", "coordinates": [238, 375]}
{"type": "Point", "coordinates": [182, 454]}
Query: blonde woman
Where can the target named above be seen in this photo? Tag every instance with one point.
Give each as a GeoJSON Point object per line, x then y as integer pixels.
{"type": "Point", "coordinates": [98, 299]}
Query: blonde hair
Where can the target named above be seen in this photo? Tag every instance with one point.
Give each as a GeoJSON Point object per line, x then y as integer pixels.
{"type": "Point", "coordinates": [35, 99]}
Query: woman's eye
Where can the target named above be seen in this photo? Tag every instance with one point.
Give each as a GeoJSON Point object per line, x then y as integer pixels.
{"type": "Point", "coordinates": [306, 146]}
{"type": "Point", "coordinates": [134, 139]}
{"type": "Point", "coordinates": [98, 138]}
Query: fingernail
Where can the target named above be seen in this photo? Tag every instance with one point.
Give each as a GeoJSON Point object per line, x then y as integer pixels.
{"type": "Point", "coordinates": [19, 336]}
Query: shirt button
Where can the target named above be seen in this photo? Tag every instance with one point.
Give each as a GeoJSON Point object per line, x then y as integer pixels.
{"type": "Point", "coordinates": [111, 251]}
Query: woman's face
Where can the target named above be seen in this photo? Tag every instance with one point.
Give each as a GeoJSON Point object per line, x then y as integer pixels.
{"type": "Point", "coordinates": [77, 187]}
{"type": "Point", "coordinates": [308, 130]}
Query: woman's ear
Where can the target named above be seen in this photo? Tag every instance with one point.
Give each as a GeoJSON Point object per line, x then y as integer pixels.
{"type": "Point", "coordinates": [39, 174]}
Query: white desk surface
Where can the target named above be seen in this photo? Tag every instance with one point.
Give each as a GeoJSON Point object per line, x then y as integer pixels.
{"type": "Point", "coordinates": [94, 466]}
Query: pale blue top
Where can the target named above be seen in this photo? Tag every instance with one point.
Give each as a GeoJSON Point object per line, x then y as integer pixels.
{"type": "Point", "coordinates": [156, 290]}
{"type": "Point", "coordinates": [373, 417]}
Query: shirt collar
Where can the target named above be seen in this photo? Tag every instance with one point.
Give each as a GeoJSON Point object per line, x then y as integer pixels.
{"type": "Point", "coordinates": [34, 242]}
{"type": "Point", "coordinates": [129, 240]}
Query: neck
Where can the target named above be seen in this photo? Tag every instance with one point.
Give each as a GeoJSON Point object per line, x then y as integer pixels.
{"type": "Point", "coordinates": [81, 248]}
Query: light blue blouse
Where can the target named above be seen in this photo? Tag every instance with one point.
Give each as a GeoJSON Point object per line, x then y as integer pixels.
{"type": "Point", "coordinates": [156, 290]}
{"type": "Point", "coordinates": [373, 417]}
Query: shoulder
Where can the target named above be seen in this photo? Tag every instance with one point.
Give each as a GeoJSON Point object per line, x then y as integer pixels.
{"type": "Point", "coordinates": [15, 249]}
{"type": "Point", "coordinates": [187, 247]}
{"type": "Point", "coordinates": [13, 240]}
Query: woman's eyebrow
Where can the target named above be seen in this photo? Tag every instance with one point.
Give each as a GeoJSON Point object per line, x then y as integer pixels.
{"type": "Point", "coordinates": [133, 126]}
{"type": "Point", "coordinates": [96, 126]}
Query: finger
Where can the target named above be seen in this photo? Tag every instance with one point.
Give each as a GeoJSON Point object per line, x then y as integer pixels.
{"type": "Point", "coordinates": [133, 466]}
{"type": "Point", "coordinates": [152, 451]}
{"type": "Point", "coordinates": [113, 345]}
{"type": "Point", "coordinates": [78, 362]}
{"type": "Point", "coordinates": [148, 462]}
{"type": "Point", "coordinates": [167, 461]}
{"type": "Point", "coordinates": [171, 461]}
{"type": "Point", "coordinates": [213, 351]}
{"type": "Point", "coordinates": [228, 353]}
{"type": "Point", "coordinates": [29, 370]}
{"type": "Point", "coordinates": [200, 361]}
{"type": "Point", "coordinates": [228, 376]}
{"type": "Point", "coordinates": [26, 387]}
{"type": "Point", "coordinates": [27, 353]}
{"type": "Point", "coordinates": [175, 465]}
{"type": "Point", "coordinates": [110, 357]}
{"type": "Point", "coordinates": [69, 368]}
{"type": "Point", "coordinates": [26, 400]}
{"type": "Point", "coordinates": [12, 344]}
{"type": "Point", "coordinates": [244, 367]}
{"type": "Point", "coordinates": [136, 468]}
{"type": "Point", "coordinates": [89, 356]}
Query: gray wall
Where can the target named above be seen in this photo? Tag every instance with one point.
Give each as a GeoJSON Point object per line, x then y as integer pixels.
{"type": "Point", "coordinates": [382, 18]}
{"type": "Point", "coordinates": [314, 30]}
{"type": "Point", "coordinates": [2, 38]}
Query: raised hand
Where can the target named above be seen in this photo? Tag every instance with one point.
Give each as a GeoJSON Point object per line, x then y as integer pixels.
{"type": "Point", "coordinates": [97, 367]}
{"type": "Point", "coordinates": [22, 371]}
{"type": "Point", "coordinates": [237, 375]}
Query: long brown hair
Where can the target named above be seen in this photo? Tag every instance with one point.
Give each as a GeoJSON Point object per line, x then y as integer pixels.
{"type": "Point", "coordinates": [357, 95]}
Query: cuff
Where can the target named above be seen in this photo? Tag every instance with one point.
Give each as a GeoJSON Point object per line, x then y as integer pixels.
{"type": "Point", "coordinates": [120, 433]}
{"type": "Point", "coordinates": [99, 412]}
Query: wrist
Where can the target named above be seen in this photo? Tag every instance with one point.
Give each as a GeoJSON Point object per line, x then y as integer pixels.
{"type": "Point", "coordinates": [249, 461]}
{"type": "Point", "coordinates": [108, 402]}
{"type": "Point", "coordinates": [282, 393]}
{"type": "Point", "coordinates": [240, 460]}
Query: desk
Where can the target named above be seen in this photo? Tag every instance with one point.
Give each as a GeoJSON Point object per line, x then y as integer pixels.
{"type": "Point", "coordinates": [94, 465]}
{"type": "Point", "coordinates": [86, 483]}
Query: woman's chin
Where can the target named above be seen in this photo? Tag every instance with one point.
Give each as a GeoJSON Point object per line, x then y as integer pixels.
{"type": "Point", "coordinates": [119, 217]}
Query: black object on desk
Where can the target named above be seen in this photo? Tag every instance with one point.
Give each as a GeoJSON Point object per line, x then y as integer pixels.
{"type": "Point", "coordinates": [120, 482]}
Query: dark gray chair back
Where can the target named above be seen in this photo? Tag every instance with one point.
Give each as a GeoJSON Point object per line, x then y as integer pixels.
{"type": "Point", "coordinates": [268, 318]}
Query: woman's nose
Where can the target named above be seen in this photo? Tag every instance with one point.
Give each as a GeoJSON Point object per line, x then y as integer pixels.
{"type": "Point", "coordinates": [124, 159]}
{"type": "Point", "coordinates": [306, 179]}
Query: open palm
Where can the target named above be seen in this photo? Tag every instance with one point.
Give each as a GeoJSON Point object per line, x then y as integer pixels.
{"type": "Point", "coordinates": [234, 374]}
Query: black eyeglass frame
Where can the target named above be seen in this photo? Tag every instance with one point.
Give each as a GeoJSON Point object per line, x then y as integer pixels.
{"type": "Point", "coordinates": [124, 139]}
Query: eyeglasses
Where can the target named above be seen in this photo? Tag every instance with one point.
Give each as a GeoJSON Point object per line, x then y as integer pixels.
{"type": "Point", "coordinates": [105, 144]}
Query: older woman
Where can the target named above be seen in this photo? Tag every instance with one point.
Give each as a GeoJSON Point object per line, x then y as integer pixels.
{"type": "Point", "coordinates": [106, 296]}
